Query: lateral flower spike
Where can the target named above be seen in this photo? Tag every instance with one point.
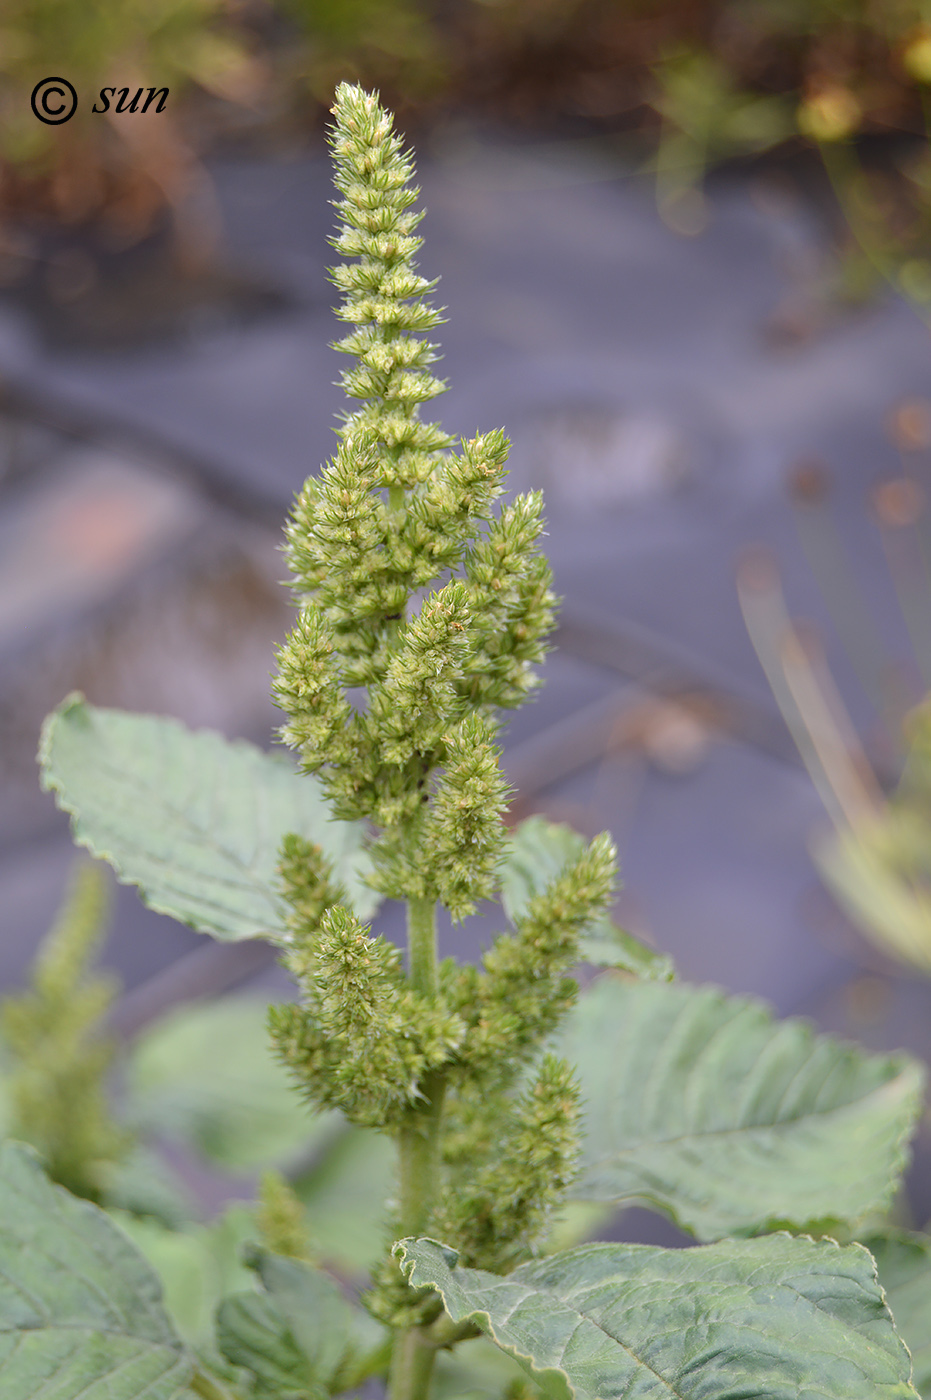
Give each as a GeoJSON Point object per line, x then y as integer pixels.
{"type": "Point", "coordinates": [523, 991]}
{"type": "Point", "coordinates": [498, 1213]}
{"type": "Point", "coordinates": [309, 890]}
{"type": "Point", "coordinates": [464, 835]}
{"type": "Point", "coordinates": [363, 1040]}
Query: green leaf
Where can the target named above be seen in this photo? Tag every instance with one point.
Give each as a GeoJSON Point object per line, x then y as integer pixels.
{"type": "Point", "coordinates": [903, 1261]}
{"type": "Point", "coordinates": [302, 1333]}
{"type": "Point", "coordinates": [702, 1106]}
{"type": "Point", "coordinates": [194, 820]}
{"type": "Point", "coordinates": [252, 1333]}
{"type": "Point", "coordinates": [537, 852]}
{"type": "Point", "coordinates": [144, 1183]}
{"type": "Point", "coordinates": [477, 1370]}
{"type": "Point", "coordinates": [778, 1317]}
{"type": "Point", "coordinates": [206, 1075]}
{"type": "Point", "coordinates": [345, 1195]}
{"type": "Point", "coordinates": [197, 1267]}
{"type": "Point", "coordinates": [326, 1328]}
{"type": "Point", "coordinates": [81, 1314]}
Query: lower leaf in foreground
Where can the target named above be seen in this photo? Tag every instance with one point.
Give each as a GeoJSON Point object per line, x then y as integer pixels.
{"type": "Point", "coordinates": [780, 1317]}
{"type": "Point", "coordinates": [300, 1335]}
{"type": "Point", "coordinates": [81, 1315]}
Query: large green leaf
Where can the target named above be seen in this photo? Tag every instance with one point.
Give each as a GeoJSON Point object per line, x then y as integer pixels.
{"type": "Point", "coordinates": [206, 1075]}
{"type": "Point", "coordinates": [903, 1261]}
{"type": "Point", "coordinates": [537, 851]}
{"type": "Point", "coordinates": [194, 820]}
{"type": "Point", "coordinates": [302, 1334]}
{"type": "Point", "coordinates": [778, 1317]}
{"type": "Point", "coordinates": [699, 1104]}
{"type": "Point", "coordinates": [81, 1316]}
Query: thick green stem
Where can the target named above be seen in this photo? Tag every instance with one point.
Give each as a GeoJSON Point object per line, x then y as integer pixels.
{"type": "Point", "coordinates": [418, 1159]}
{"type": "Point", "coordinates": [421, 946]}
{"type": "Point", "coordinates": [411, 1366]}
{"type": "Point", "coordinates": [419, 1143]}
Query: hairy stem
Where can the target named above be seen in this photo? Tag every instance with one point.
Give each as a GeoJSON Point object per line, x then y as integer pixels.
{"type": "Point", "coordinates": [421, 946]}
{"type": "Point", "coordinates": [411, 1366]}
{"type": "Point", "coordinates": [418, 1159]}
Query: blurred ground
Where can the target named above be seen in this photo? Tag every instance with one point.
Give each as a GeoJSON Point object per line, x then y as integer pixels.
{"type": "Point", "coordinates": [657, 388]}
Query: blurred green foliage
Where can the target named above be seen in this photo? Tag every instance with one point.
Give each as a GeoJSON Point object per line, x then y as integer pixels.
{"type": "Point", "coordinates": [122, 173]}
{"type": "Point", "coordinates": [879, 867]}
{"type": "Point", "coordinates": [58, 1058]}
{"type": "Point", "coordinates": [394, 45]}
{"type": "Point", "coordinates": [692, 82]}
{"type": "Point", "coordinates": [876, 857]}
{"type": "Point", "coordinates": [166, 42]}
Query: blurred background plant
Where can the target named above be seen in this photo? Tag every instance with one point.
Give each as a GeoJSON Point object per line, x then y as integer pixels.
{"type": "Point", "coordinates": [676, 88]}
{"type": "Point", "coordinates": [192, 1113]}
{"type": "Point", "coordinates": [58, 1058]}
{"type": "Point", "coordinates": [399, 46]}
{"type": "Point", "coordinates": [685, 85]}
{"type": "Point", "coordinates": [848, 80]}
{"type": "Point", "coordinates": [877, 792]}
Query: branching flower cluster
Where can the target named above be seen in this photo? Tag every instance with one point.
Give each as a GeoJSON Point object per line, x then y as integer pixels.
{"type": "Point", "coordinates": [424, 606]}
